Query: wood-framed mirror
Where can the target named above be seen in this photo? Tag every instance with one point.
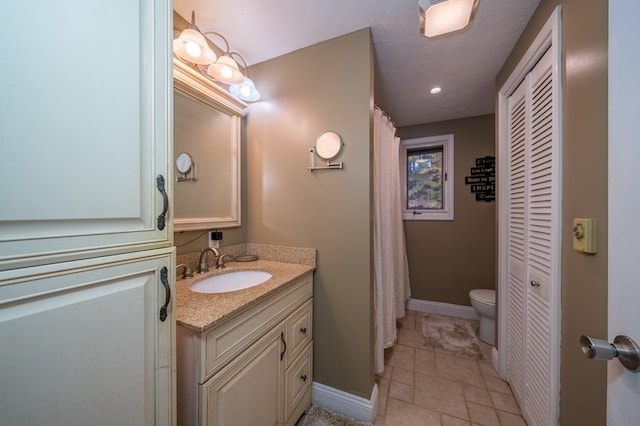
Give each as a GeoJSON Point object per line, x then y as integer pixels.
{"type": "Point", "coordinates": [207, 125]}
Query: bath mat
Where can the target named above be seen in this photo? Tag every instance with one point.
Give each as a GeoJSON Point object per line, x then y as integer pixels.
{"type": "Point", "coordinates": [451, 334]}
{"type": "Point", "coordinates": [318, 416]}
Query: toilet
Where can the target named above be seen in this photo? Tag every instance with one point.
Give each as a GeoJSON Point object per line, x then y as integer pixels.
{"type": "Point", "coordinates": [484, 302]}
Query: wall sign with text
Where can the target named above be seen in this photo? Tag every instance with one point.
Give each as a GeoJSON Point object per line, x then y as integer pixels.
{"type": "Point", "coordinates": [483, 178]}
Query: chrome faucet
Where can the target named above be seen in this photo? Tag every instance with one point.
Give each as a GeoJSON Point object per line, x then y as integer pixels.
{"type": "Point", "coordinates": [204, 266]}
{"type": "Point", "coordinates": [187, 273]}
{"type": "Point", "coordinates": [220, 262]}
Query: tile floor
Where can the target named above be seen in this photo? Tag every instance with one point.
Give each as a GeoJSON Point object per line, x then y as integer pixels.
{"type": "Point", "coordinates": [426, 386]}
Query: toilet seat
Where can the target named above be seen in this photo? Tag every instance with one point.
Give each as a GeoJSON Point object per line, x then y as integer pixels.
{"type": "Point", "coordinates": [485, 296]}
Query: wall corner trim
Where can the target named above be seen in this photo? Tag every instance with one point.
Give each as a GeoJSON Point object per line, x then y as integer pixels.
{"type": "Point", "coordinates": [347, 404]}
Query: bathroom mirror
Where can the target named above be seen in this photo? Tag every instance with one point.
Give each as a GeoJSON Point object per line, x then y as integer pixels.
{"type": "Point", "coordinates": [328, 145]}
{"type": "Point", "coordinates": [207, 126]}
{"type": "Point", "coordinates": [184, 162]}
{"type": "Point", "coordinates": [186, 168]}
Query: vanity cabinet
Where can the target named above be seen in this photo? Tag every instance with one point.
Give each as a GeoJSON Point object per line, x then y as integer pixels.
{"type": "Point", "coordinates": [256, 368]}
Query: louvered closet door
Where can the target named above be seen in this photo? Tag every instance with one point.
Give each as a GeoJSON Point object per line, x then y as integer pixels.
{"type": "Point", "coordinates": [541, 252]}
{"type": "Point", "coordinates": [533, 324]}
{"type": "Point", "coordinates": [518, 134]}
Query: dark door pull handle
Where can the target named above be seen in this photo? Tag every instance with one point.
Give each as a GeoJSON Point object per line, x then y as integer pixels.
{"type": "Point", "coordinates": [285, 346]}
{"type": "Point", "coordinates": [164, 279]}
{"type": "Point", "coordinates": [165, 202]}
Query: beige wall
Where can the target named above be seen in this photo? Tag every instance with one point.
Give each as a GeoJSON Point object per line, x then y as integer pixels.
{"type": "Point", "coordinates": [320, 88]}
{"type": "Point", "coordinates": [447, 259]}
{"type": "Point", "coordinates": [584, 187]}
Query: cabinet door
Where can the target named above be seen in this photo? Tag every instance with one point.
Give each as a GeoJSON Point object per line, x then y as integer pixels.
{"type": "Point", "coordinates": [249, 390]}
{"type": "Point", "coordinates": [85, 129]}
{"type": "Point", "coordinates": [82, 343]}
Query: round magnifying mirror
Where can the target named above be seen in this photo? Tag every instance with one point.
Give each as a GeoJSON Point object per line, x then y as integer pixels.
{"type": "Point", "coordinates": [184, 162]}
{"type": "Point", "coordinates": [328, 145]}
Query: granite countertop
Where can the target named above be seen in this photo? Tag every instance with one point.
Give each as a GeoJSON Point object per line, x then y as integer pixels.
{"type": "Point", "coordinates": [203, 311]}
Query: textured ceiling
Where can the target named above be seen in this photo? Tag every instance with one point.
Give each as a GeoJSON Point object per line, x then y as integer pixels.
{"type": "Point", "coordinates": [464, 64]}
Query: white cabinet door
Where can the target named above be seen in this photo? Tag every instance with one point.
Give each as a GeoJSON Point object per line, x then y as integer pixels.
{"type": "Point", "coordinates": [83, 343]}
{"type": "Point", "coordinates": [85, 125]}
{"type": "Point", "coordinates": [249, 390]}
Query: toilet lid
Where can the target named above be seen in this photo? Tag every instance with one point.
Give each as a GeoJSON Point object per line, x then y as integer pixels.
{"type": "Point", "coordinates": [484, 296]}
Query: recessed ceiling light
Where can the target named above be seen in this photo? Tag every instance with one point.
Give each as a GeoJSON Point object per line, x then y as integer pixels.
{"type": "Point", "coordinates": [436, 90]}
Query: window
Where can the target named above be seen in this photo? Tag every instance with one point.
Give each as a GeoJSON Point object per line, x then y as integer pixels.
{"type": "Point", "coordinates": [427, 184]}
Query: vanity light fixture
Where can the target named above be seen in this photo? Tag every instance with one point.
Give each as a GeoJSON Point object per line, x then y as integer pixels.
{"type": "Point", "coordinates": [192, 46]}
{"type": "Point", "coordinates": [439, 17]}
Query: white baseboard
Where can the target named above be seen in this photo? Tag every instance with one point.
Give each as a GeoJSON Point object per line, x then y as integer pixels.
{"type": "Point", "coordinates": [346, 403]}
{"type": "Point", "coordinates": [440, 308]}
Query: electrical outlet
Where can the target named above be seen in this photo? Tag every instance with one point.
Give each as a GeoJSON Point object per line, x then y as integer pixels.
{"type": "Point", "coordinates": [213, 243]}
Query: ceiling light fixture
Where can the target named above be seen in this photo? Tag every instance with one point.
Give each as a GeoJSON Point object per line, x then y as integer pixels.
{"type": "Point", "coordinates": [436, 90]}
{"type": "Point", "coordinates": [192, 46]}
{"type": "Point", "coordinates": [439, 17]}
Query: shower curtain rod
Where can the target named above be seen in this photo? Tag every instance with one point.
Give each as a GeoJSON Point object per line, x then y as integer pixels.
{"type": "Point", "coordinates": [384, 114]}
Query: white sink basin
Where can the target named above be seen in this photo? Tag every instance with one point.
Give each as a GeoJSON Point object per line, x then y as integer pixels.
{"type": "Point", "coordinates": [231, 281]}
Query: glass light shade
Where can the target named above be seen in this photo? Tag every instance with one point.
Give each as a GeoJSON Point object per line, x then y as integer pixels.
{"type": "Point", "coordinates": [225, 70]}
{"type": "Point", "coordinates": [246, 90]}
{"type": "Point", "coordinates": [446, 16]}
{"type": "Point", "coordinates": [192, 47]}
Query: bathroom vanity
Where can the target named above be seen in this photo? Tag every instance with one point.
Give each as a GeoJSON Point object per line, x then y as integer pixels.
{"type": "Point", "coordinates": [245, 357]}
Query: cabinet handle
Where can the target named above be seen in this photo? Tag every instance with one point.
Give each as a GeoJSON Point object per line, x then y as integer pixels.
{"type": "Point", "coordinates": [534, 283]}
{"type": "Point", "coordinates": [285, 346]}
{"type": "Point", "coordinates": [303, 377]}
{"type": "Point", "coordinates": [165, 202]}
{"type": "Point", "coordinates": [303, 330]}
{"type": "Point", "coordinates": [164, 279]}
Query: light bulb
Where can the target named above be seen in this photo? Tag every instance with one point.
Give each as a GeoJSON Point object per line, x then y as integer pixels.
{"type": "Point", "coordinates": [245, 90]}
{"type": "Point", "coordinates": [193, 49]}
{"type": "Point", "coordinates": [226, 71]}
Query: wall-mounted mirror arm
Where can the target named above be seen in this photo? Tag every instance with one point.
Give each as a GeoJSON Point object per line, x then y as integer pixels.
{"type": "Point", "coordinates": [312, 165]}
{"type": "Point", "coordinates": [192, 174]}
{"type": "Point", "coordinates": [328, 147]}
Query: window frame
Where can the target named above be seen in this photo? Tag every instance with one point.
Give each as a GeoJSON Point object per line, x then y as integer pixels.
{"type": "Point", "coordinates": [446, 141]}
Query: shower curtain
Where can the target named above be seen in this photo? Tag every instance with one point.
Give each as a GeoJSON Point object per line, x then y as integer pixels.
{"type": "Point", "coordinates": [391, 272]}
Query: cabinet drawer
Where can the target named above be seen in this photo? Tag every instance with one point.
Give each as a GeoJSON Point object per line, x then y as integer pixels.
{"type": "Point", "coordinates": [299, 377]}
{"type": "Point", "coordinates": [299, 330]}
{"type": "Point", "coordinates": [229, 339]}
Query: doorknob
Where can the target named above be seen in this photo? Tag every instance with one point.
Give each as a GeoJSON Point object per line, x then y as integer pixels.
{"type": "Point", "coordinates": [623, 348]}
